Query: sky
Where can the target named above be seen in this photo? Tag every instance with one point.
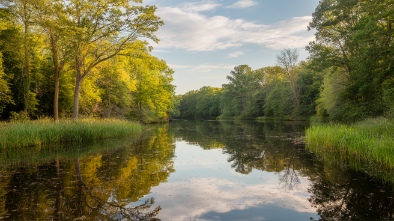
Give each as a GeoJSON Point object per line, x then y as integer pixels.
{"type": "Point", "coordinates": [203, 40]}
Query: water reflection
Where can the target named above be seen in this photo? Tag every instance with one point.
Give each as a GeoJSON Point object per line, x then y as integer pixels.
{"type": "Point", "coordinates": [352, 197]}
{"type": "Point", "coordinates": [95, 186]}
{"type": "Point", "coordinates": [271, 147]}
{"type": "Point", "coordinates": [336, 193]}
{"type": "Point", "coordinates": [218, 171]}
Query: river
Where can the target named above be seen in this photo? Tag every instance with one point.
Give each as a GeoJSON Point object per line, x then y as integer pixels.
{"type": "Point", "coordinates": [186, 170]}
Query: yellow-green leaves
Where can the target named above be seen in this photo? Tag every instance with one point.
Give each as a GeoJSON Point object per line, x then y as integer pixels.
{"type": "Point", "coordinates": [5, 92]}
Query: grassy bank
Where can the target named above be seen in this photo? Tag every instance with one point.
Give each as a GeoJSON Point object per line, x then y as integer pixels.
{"type": "Point", "coordinates": [370, 141]}
{"type": "Point", "coordinates": [45, 132]}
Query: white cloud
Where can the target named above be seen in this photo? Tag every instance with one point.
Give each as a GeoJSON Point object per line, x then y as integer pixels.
{"type": "Point", "coordinates": [236, 54]}
{"type": "Point", "coordinates": [210, 67]}
{"type": "Point", "coordinates": [199, 6]}
{"type": "Point", "coordinates": [202, 195]}
{"type": "Point", "coordinates": [202, 67]}
{"type": "Point", "coordinates": [196, 32]}
{"type": "Point", "coordinates": [243, 4]}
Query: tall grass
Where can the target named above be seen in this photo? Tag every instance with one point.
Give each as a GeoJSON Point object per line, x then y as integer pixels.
{"type": "Point", "coordinates": [370, 141]}
{"type": "Point", "coordinates": [46, 132]}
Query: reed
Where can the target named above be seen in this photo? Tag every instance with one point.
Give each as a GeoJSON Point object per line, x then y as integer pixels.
{"type": "Point", "coordinates": [370, 141]}
{"type": "Point", "coordinates": [46, 132]}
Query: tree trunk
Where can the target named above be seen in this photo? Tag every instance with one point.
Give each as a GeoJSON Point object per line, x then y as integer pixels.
{"type": "Point", "coordinates": [56, 96]}
{"type": "Point", "coordinates": [76, 96]}
{"type": "Point", "coordinates": [26, 57]}
{"type": "Point", "coordinates": [55, 55]}
{"type": "Point", "coordinates": [78, 81]}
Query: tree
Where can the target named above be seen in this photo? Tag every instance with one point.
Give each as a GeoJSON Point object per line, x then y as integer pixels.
{"type": "Point", "coordinates": [100, 30]}
{"type": "Point", "coordinates": [309, 84]}
{"type": "Point", "coordinates": [5, 92]}
{"type": "Point", "coordinates": [22, 11]}
{"type": "Point", "coordinates": [237, 94]}
{"type": "Point", "coordinates": [288, 60]}
{"type": "Point", "coordinates": [279, 102]}
{"type": "Point", "coordinates": [354, 38]}
{"type": "Point", "coordinates": [49, 13]}
{"type": "Point", "coordinates": [153, 94]}
{"type": "Point", "coordinates": [188, 105]}
{"type": "Point", "coordinates": [116, 85]}
{"type": "Point", "coordinates": [208, 103]}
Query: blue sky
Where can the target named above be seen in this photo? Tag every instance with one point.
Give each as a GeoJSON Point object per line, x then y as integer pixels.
{"type": "Point", "coordinates": [202, 41]}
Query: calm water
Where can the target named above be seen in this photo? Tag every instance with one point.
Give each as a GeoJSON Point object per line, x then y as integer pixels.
{"type": "Point", "coordinates": [189, 171]}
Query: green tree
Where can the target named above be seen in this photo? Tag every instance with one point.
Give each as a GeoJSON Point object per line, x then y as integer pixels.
{"type": "Point", "coordinates": [175, 110]}
{"type": "Point", "coordinates": [115, 85]}
{"type": "Point", "coordinates": [288, 60]}
{"type": "Point", "coordinates": [188, 105]}
{"type": "Point", "coordinates": [22, 12]}
{"type": "Point", "coordinates": [100, 30]}
{"type": "Point", "coordinates": [153, 95]}
{"type": "Point", "coordinates": [5, 92]}
{"type": "Point", "coordinates": [238, 93]}
{"type": "Point", "coordinates": [49, 14]}
{"type": "Point", "coordinates": [354, 39]}
{"type": "Point", "coordinates": [208, 103]}
{"type": "Point", "coordinates": [309, 84]}
{"type": "Point", "coordinates": [279, 100]}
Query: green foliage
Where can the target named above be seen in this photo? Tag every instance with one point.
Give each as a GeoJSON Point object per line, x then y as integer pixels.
{"type": "Point", "coordinates": [238, 93]}
{"type": "Point", "coordinates": [331, 102]}
{"type": "Point", "coordinates": [89, 97]}
{"type": "Point", "coordinates": [175, 110]}
{"type": "Point", "coordinates": [355, 40]}
{"type": "Point", "coordinates": [59, 58]}
{"type": "Point", "coordinates": [388, 97]}
{"type": "Point", "coordinates": [279, 102]}
{"type": "Point", "coordinates": [153, 95]}
{"type": "Point", "coordinates": [309, 84]}
{"type": "Point", "coordinates": [115, 86]}
{"type": "Point", "coordinates": [201, 104]}
{"type": "Point", "coordinates": [254, 93]}
{"type": "Point", "coordinates": [101, 30]}
{"type": "Point", "coordinates": [5, 92]}
{"type": "Point", "coordinates": [19, 117]}
{"type": "Point", "coordinates": [208, 100]}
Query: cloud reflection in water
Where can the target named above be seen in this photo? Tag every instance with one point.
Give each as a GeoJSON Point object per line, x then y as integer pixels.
{"type": "Point", "coordinates": [205, 187]}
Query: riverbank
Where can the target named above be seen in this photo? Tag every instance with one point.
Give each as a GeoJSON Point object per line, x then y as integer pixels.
{"type": "Point", "coordinates": [370, 141]}
{"type": "Point", "coordinates": [46, 132]}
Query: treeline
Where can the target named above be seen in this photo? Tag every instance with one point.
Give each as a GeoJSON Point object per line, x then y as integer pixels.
{"type": "Point", "coordinates": [271, 92]}
{"type": "Point", "coordinates": [63, 59]}
{"type": "Point", "coordinates": [349, 75]}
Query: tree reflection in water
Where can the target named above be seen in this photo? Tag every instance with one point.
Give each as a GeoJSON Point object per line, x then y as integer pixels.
{"type": "Point", "coordinates": [271, 147]}
{"type": "Point", "coordinates": [338, 194]}
{"type": "Point", "coordinates": [103, 184]}
{"type": "Point", "coordinates": [289, 177]}
{"type": "Point", "coordinates": [97, 186]}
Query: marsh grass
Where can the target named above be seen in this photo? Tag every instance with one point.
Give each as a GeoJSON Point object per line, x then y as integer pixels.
{"type": "Point", "coordinates": [46, 132]}
{"type": "Point", "coordinates": [369, 142]}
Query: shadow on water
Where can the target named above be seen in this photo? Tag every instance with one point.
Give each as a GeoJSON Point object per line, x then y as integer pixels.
{"type": "Point", "coordinates": [338, 193]}
{"type": "Point", "coordinates": [95, 182]}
